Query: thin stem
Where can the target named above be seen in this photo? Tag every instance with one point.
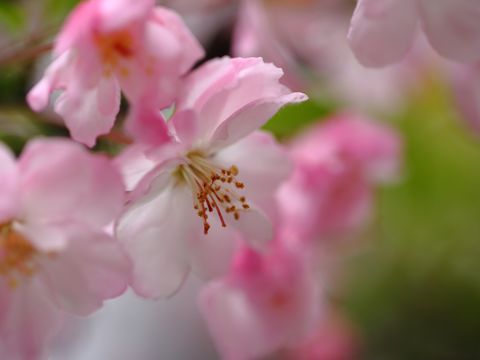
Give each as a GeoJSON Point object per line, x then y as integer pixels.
{"type": "Point", "coordinates": [25, 54]}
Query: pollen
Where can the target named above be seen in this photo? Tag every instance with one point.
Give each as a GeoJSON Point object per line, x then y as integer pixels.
{"type": "Point", "coordinates": [214, 188]}
{"type": "Point", "coordinates": [17, 256]}
{"type": "Point", "coordinates": [113, 48]}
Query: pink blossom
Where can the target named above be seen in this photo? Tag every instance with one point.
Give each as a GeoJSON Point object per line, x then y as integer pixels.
{"type": "Point", "coordinates": [54, 255]}
{"type": "Point", "coordinates": [382, 31]}
{"type": "Point", "coordinates": [334, 339]}
{"type": "Point", "coordinates": [336, 165]}
{"type": "Point", "coordinates": [266, 302]}
{"type": "Point", "coordinates": [217, 173]}
{"type": "Point", "coordinates": [108, 45]}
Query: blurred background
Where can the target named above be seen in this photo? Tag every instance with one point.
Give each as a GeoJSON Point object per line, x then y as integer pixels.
{"type": "Point", "coordinates": [408, 282]}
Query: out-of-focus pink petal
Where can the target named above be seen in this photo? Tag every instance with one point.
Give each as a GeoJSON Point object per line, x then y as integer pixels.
{"type": "Point", "coordinates": [28, 322]}
{"type": "Point", "coordinates": [91, 113]}
{"type": "Point", "coordinates": [61, 180]}
{"type": "Point", "coordinates": [147, 125]}
{"type": "Point", "coordinates": [382, 31]}
{"type": "Point", "coordinates": [376, 147]}
{"type": "Point", "coordinates": [336, 166]}
{"type": "Point", "coordinates": [452, 27]}
{"type": "Point", "coordinates": [153, 233]}
{"type": "Point", "coordinates": [44, 237]}
{"type": "Point", "coordinates": [115, 14]}
{"type": "Point", "coordinates": [91, 269]}
{"type": "Point", "coordinates": [8, 185]}
{"type": "Point", "coordinates": [192, 51]}
{"type": "Point", "coordinates": [466, 83]}
{"type": "Point", "coordinates": [38, 96]}
{"type": "Point", "coordinates": [249, 118]}
{"type": "Point", "coordinates": [266, 303]}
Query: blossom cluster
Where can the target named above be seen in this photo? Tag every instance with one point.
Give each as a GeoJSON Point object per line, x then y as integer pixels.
{"type": "Point", "coordinates": [199, 189]}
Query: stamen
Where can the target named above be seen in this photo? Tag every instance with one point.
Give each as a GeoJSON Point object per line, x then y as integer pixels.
{"type": "Point", "coordinates": [16, 256]}
{"type": "Point", "coordinates": [213, 188]}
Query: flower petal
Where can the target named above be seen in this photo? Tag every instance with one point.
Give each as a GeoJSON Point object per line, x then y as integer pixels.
{"type": "Point", "coordinates": [92, 268]}
{"type": "Point", "coordinates": [92, 112]}
{"type": "Point", "coordinates": [452, 27]}
{"type": "Point", "coordinates": [8, 185]}
{"type": "Point", "coordinates": [60, 180]}
{"type": "Point", "coordinates": [249, 118]}
{"type": "Point", "coordinates": [28, 322]}
{"type": "Point", "coordinates": [382, 31]}
{"type": "Point", "coordinates": [154, 233]}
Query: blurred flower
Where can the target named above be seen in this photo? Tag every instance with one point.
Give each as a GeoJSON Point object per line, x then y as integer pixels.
{"type": "Point", "coordinates": [217, 172]}
{"type": "Point", "coordinates": [382, 31]}
{"type": "Point", "coordinates": [266, 302]}
{"type": "Point", "coordinates": [334, 339]}
{"type": "Point", "coordinates": [308, 40]}
{"type": "Point", "coordinates": [106, 45]}
{"type": "Point", "coordinates": [336, 166]}
{"type": "Point", "coordinates": [54, 255]}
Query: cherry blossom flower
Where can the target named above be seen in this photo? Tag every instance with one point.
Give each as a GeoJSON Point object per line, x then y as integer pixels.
{"type": "Point", "coordinates": [382, 31]}
{"type": "Point", "coordinates": [216, 178]}
{"type": "Point", "coordinates": [55, 257]}
{"type": "Point", "coordinates": [266, 302]}
{"type": "Point", "coordinates": [336, 166]}
{"type": "Point", "coordinates": [108, 45]}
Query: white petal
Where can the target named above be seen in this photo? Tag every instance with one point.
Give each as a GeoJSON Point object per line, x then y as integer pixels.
{"type": "Point", "coordinates": [154, 233]}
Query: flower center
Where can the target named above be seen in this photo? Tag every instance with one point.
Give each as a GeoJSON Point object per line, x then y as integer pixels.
{"type": "Point", "coordinates": [214, 188]}
{"type": "Point", "coordinates": [114, 47]}
{"type": "Point", "coordinates": [16, 256]}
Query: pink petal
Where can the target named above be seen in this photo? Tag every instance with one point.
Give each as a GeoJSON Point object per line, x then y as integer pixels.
{"type": "Point", "coordinates": [192, 51]}
{"type": "Point", "coordinates": [28, 322]}
{"type": "Point", "coordinates": [8, 185]}
{"type": "Point", "coordinates": [249, 118]}
{"type": "Point", "coordinates": [452, 27]}
{"type": "Point", "coordinates": [38, 96]}
{"type": "Point", "coordinates": [252, 81]}
{"type": "Point", "coordinates": [44, 237]}
{"type": "Point", "coordinates": [382, 31]}
{"type": "Point", "coordinates": [60, 180]}
{"type": "Point", "coordinates": [186, 126]}
{"type": "Point", "coordinates": [147, 125]}
{"type": "Point", "coordinates": [154, 232]}
{"type": "Point", "coordinates": [91, 113]}
{"type": "Point", "coordinates": [115, 14]}
{"type": "Point", "coordinates": [266, 303]}
{"type": "Point", "coordinates": [134, 164]}
{"type": "Point", "coordinates": [92, 269]}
